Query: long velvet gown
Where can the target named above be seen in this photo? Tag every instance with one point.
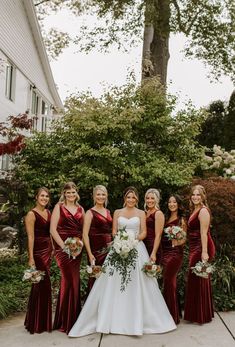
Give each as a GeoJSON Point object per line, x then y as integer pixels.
{"type": "Point", "coordinates": [39, 312]}
{"type": "Point", "coordinates": [69, 301]}
{"type": "Point", "coordinates": [149, 240]}
{"type": "Point", "coordinates": [172, 258]}
{"type": "Point", "coordinates": [100, 235]}
{"type": "Point", "coordinates": [198, 301]}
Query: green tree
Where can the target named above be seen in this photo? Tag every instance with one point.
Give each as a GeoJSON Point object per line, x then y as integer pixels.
{"type": "Point", "coordinates": [208, 25]}
{"type": "Point", "coordinates": [126, 137]}
{"type": "Point", "coordinates": [229, 124]}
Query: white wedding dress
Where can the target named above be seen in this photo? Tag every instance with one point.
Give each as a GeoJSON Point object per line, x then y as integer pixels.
{"type": "Point", "coordinates": [140, 309]}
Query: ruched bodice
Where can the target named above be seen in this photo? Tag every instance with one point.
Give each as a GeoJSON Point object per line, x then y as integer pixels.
{"type": "Point", "coordinates": [131, 225]}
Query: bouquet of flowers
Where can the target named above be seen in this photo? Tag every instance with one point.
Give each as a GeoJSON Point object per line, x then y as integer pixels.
{"type": "Point", "coordinates": [203, 269]}
{"type": "Point", "coordinates": [122, 256]}
{"type": "Point", "coordinates": [33, 275]}
{"type": "Point", "coordinates": [95, 270]}
{"type": "Point", "coordinates": [152, 270]}
{"type": "Point", "coordinates": [73, 246]}
{"type": "Point", "coordinates": [175, 232]}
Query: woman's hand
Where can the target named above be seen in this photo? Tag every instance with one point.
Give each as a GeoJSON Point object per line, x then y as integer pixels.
{"type": "Point", "coordinates": [153, 258]}
{"type": "Point", "coordinates": [204, 256]}
{"type": "Point", "coordinates": [174, 243]}
{"type": "Point", "coordinates": [31, 262]}
{"type": "Point", "coordinates": [92, 259]}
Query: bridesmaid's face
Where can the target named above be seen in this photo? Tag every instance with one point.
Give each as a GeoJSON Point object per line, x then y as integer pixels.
{"type": "Point", "coordinates": [100, 197]}
{"type": "Point", "coordinates": [130, 200]}
{"type": "Point", "coordinates": [70, 195]}
{"type": "Point", "coordinates": [196, 197]}
{"type": "Point", "coordinates": [172, 204]}
{"type": "Point", "coordinates": [43, 198]}
{"type": "Point", "coordinates": [150, 201]}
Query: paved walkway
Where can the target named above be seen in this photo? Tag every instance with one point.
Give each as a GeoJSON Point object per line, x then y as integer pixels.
{"type": "Point", "coordinates": [219, 333]}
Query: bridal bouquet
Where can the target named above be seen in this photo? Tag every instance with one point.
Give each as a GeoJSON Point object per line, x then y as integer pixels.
{"type": "Point", "coordinates": [95, 270]}
{"type": "Point", "coordinates": [33, 275]}
{"type": "Point", "coordinates": [175, 232]}
{"type": "Point", "coordinates": [122, 256]}
{"type": "Point", "coordinates": [203, 269]}
{"type": "Point", "coordinates": [152, 270]}
{"type": "Point", "coordinates": [73, 246]}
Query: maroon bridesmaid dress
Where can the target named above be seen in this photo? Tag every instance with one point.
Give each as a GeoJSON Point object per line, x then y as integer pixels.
{"type": "Point", "coordinates": [100, 235]}
{"type": "Point", "coordinates": [38, 317]}
{"type": "Point", "coordinates": [149, 240]}
{"type": "Point", "coordinates": [172, 258]}
{"type": "Point", "coordinates": [69, 301]}
{"type": "Point", "coordinates": [198, 301]}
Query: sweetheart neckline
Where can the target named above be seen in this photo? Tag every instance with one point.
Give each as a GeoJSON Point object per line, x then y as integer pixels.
{"type": "Point", "coordinates": [129, 218]}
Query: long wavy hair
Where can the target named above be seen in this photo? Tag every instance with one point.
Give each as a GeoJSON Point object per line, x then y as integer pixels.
{"type": "Point", "coordinates": [156, 195]}
{"type": "Point", "coordinates": [181, 210]}
{"type": "Point", "coordinates": [68, 186]}
{"type": "Point", "coordinates": [104, 190]}
{"type": "Point", "coordinates": [43, 189]}
{"type": "Point", "coordinates": [202, 192]}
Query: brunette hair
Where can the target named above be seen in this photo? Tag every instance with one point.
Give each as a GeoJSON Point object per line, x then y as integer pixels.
{"type": "Point", "coordinates": [104, 190]}
{"type": "Point", "coordinates": [157, 197]}
{"type": "Point", "coordinates": [43, 189]}
{"type": "Point", "coordinates": [68, 186]}
{"type": "Point", "coordinates": [181, 210]}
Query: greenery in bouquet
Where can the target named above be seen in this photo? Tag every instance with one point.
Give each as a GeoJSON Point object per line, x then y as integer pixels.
{"type": "Point", "coordinates": [152, 270]}
{"type": "Point", "coordinates": [95, 270]}
{"type": "Point", "coordinates": [203, 269]}
{"type": "Point", "coordinates": [122, 256]}
{"type": "Point", "coordinates": [33, 275]}
{"type": "Point", "coordinates": [73, 246]}
{"type": "Point", "coordinates": [175, 232]}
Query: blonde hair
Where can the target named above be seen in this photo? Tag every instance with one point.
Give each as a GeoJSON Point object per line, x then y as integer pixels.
{"type": "Point", "coordinates": [68, 186]}
{"type": "Point", "coordinates": [202, 192]}
{"type": "Point", "coordinates": [156, 195]}
{"type": "Point", "coordinates": [132, 190]}
{"type": "Point", "coordinates": [104, 190]}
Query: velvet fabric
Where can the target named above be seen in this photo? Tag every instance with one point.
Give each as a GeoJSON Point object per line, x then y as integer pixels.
{"type": "Point", "coordinates": [100, 235]}
{"type": "Point", "coordinates": [149, 240]}
{"type": "Point", "coordinates": [172, 258]}
{"type": "Point", "coordinates": [39, 312]}
{"type": "Point", "coordinates": [198, 301]}
{"type": "Point", "coordinates": [69, 300]}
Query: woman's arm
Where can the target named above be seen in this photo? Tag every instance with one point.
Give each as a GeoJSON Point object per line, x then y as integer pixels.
{"type": "Point", "coordinates": [115, 222]}
{"type": "Point", "coordinates": [85, 235]}
{"type": "Point", "coordinates": [181, 242]}
{"type": "Point", "coordinates": [53, 227]}
{"type": "Point", "coordinates": [29, 225]}
{"type": "Point", "coordinates": [204, 218]}
{"type": "Point", "coordinates": [143, 229]}
{"type": "Point", "coordinates": [159, 225]}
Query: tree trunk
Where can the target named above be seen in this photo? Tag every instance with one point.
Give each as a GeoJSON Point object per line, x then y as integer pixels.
{"type": "Point", "coordinates": [156, 40]}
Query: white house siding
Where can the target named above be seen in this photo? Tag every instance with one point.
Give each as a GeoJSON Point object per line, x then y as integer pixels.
{"type": "Point", "coordinates": [17, 43]}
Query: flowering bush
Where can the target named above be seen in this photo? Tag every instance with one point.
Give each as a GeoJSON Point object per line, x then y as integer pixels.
{"type": "Point", "coordinates": [221, 162]}
{"type": "Point", "coordinates": [122, 256]}
{"type": "Point", "coordinates": [203, 269]}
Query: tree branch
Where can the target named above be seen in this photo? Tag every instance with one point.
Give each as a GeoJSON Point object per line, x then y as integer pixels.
{"type": "Point", "coordinates": [187, 31]}
{"type": "Point", "coordinates": [181, 26]}
{"type": "Point", "coordinates": [41, 2]}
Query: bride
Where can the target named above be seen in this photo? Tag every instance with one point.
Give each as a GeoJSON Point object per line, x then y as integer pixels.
{"type": "Point", "coordinates": [138, 310]}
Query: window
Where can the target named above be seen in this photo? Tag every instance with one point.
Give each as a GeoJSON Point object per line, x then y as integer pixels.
{"type": "Point", "coordinates": [44, 124]}
{"type": "Point", "coordinates": [5, 162]}
{"type": "Point", "coordinates": [34, 103]}
{"type": "Point", "coordinates": [10, 81]}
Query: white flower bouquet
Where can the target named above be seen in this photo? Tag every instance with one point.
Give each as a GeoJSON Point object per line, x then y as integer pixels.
{"type": "Point", "coordinates": [175, 232]}
{"type": "Point", "coordinates": [73, 246]}
{"type": "Point", "coordinates": [152, 270]}
{"type": "Point", "coordinates": [95, 270]}
{"type": "Point", "coordinates": [122, 256]}
{"type": "Point", "coordinates": [203, 269]}
{"type": "Point", "coordinates": [33, 275]}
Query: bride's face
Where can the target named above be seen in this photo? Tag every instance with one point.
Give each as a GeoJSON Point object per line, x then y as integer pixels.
{"type": "Point", "coordinates": [130, 200]}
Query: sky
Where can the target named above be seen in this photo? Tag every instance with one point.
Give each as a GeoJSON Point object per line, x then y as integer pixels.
{"type": "Point", "coordinates": [76, 71]}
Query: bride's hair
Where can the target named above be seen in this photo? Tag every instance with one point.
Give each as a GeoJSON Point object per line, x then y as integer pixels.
{"type": "Point", "coordinates": [132, 190]}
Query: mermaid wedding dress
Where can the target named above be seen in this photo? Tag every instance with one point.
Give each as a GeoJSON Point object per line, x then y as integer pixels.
{"type": "Point", "coordinates": [138, 310]}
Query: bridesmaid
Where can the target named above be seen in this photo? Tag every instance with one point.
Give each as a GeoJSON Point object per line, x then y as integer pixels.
{"type": "Point", "coordinates": [97, 230]}
{"type": "Point", "coordinates": [37, 223]}
{"type": "Point", "coordinates": [67, 221]}
{"type": "Point", "coordinates": [172, 255]}
{"type": "Point", "coordinates": [155, 222]}
{"type": "Point", "coordinates": [198, 303]}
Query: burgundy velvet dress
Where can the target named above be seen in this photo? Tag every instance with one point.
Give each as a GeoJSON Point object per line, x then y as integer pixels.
{"type": "Point", "coordinates": [100, 235]}
{"type": "Point", "coordinates": [39, 312]}
{"type": "Point", "coordinates": [198, 301]}
{"type": "Point", "coordinates": [172, 258]}
{"type": "Point", "coordinates": [69, 301]}
{"type": "Point", "coordinates": [149, 240]}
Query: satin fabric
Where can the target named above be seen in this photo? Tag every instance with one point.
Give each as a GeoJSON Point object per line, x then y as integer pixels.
{"type": "Point", "coordinates": [39, 312]}
{"type": "Point", "coordinates": [198, 301]}
{"type": "Point", "coordinates": [69, 300]}
{"type": "Point", "coordinates": [172, 258]}
{"type": "Point", "coordinates": [140, 309]}
{"type": "Point", "coordinates": [149, 240]}
{"type": "Point", "coordinates": [100, 235]}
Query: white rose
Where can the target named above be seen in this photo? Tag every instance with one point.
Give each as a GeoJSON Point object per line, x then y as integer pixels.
{"type": "Point", "coordinates": [198, 268]}
{"type": "Point", "coordinates": [89, 269]}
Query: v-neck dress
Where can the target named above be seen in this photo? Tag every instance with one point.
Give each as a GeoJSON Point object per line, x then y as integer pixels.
{"type": "Point", "coordinates": [39, 317]}
{"type": "Point", "coordinates": [69, 300]}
